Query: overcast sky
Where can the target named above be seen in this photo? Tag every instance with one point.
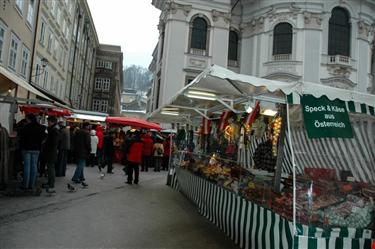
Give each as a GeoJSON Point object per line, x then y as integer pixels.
{"type": "Point", "coordinates": [129, 23]}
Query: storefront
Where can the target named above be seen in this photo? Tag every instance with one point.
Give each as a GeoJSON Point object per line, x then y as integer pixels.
{"type": "Point", "coordinates": [296, 171]}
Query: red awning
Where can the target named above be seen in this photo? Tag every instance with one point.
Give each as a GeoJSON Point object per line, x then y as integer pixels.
{"type": "Point", "coordinates": [47, 110]}
{"type": "Point", "coordinates": [134, 122]}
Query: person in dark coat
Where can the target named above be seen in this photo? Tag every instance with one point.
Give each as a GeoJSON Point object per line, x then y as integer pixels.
{"type": "Point", "coordinates": [64, 147]}
{"type": "Point", "coordinates": [167, 152]}
{"type": "Point", "coordinates": [82, 147]}
{"type": "Point", "coordinates": [134, 158]}
{"type": "Point", "coordinates": [31, 138]}
{"type": "Point", "coordinates": [51, 152]}
{"type": "Point", "coordinates": [108, 152]}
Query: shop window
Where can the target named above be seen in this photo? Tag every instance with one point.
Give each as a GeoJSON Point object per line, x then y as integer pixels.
{"type": "Point", "coordinates": [233, 46]}
{"type": "Point", "coordinates": [339, 33]}
{"type": "Point", "coordinates": [282, 39]}
{"type": "Point", "coordinates": [199, 34]}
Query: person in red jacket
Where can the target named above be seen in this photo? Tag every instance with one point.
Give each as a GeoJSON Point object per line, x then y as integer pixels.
{"type": "Point", "coordinates": [167, 152]}
{"type": "Point", "coordinates": [148, 145]}
{"type": "Point", "coordinates": [99, 152]}
{"type": "Point", "coordinates": [134, 158]}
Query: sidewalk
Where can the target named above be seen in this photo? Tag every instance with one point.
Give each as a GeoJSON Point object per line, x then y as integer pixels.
{"type": "Point", "coordinates": [13, 205]}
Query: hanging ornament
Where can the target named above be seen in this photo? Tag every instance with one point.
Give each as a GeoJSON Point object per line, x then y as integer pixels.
{"type": "Point", "coordinates": [276, 128]}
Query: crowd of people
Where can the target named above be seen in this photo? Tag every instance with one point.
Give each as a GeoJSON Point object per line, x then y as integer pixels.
{"type": "Point", "coordinates": [46, 151]}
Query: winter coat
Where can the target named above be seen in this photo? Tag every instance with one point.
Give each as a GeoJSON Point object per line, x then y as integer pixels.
{"type": "Point", "coordinates": [94, 142]}
{"type": "Point", "coordinates": [65, 139]}
{"type": "Point", "coordinates": [135, 151]}
{"type": "Point", "coordinates": [82, 144]}
{"type": "Point", "coordinates": [99, 134]}
{"type": "Point", "coordinates": [51, 144]}
{"type": "Point", "coordinates": [32, 136]}
{"type": "Point", "coordinates": [148, 145]}
{"type": "Point", "coordinates": [158, 149]}
{"type": "Point", "coordinates": [108, 148]}
{"type": "Point", "coordinates": [167, 147]}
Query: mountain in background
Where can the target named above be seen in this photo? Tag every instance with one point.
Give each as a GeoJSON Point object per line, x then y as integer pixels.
{"type": "Point", "coordinates": [137, 78]}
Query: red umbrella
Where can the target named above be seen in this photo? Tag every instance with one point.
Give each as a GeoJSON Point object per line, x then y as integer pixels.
{"type": "Point", "coordinates": [134, 122]}
{"type": "Point", "coordinates": [51, 111]}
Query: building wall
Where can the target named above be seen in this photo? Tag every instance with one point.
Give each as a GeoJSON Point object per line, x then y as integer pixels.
{"type": "Point", "coordinates": [108, 80]}
{"type": "Point", "coordinates": [17, 23]}
{"type": "Point", "coordinates": [255, 21]}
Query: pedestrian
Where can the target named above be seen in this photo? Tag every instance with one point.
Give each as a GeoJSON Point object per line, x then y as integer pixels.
{"type": "Point", "coordinates": [82, 147]}
{"type": "Point", "coordinates": [94, 146]}
{"type": "Point", "coordinates": [31, 138]}
{"type": "Point", "coordinates": [108, 152]}
{"type": "Point", "coordinates": [167, 152]}
{"type": "Point", "coordinates": [51, 152]}
{"type": "Point", "coordinates": [148, 145]}
{"type": "Point", "coordinates": [99, 152]}
{"type": "Point", "coordinates": [134, 158]}
{"type": "Point", "coordinates": [158, 154]}
{"type": "Point", "coordinates": [64, 147]}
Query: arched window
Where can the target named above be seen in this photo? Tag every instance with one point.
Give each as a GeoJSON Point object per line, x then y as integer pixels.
{"type": "Point", "coordinates": [199, 34]}
{"type": "Point", "coordinates": [282, 39]}
{"type": "Point", "coordinates": [233, 46]}
{"type": "Point", "coordinates": [339, 33]}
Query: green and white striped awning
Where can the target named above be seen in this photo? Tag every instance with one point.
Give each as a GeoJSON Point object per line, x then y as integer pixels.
{"type": "Point", "coordinates": [351, 106]}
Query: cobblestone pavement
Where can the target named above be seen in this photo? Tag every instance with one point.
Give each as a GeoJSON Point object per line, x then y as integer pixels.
{"type": "Point", "coordinates": [107, 214]}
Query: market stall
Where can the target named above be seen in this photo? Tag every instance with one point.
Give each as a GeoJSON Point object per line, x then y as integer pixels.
{"type": "Point", "coordinates": [300, 170]}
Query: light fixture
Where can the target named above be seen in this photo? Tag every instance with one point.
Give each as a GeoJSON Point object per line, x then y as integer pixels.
{"type": "Point", "coordinates": [268, 112]}
{"type": "Point", "coordinates": [9, 90]}
{"type": "Point", "coordinates": [194, 92]}
{"type": "Point", "coordinates": [199, 97]}
{"type": "Point", "coordinates": [44, 62]}
{"type": "Point", "coordinates": [170, 113]}
{"type": "Point", "coordinates": [249, 109]}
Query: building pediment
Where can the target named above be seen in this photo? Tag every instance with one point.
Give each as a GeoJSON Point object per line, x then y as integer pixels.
{"type": "Point", "coordinates": [339, 82]}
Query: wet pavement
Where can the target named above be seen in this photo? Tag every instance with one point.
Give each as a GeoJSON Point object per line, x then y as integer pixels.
{"type": "Point", "coordinates": [107, 214]}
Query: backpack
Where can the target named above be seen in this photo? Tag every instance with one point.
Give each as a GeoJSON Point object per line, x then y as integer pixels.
{"type": "Point", "coordinates": [159, 151]}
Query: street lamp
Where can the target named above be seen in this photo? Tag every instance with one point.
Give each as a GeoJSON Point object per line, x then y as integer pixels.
{"type": "Point", "coordinates": [40, 71]}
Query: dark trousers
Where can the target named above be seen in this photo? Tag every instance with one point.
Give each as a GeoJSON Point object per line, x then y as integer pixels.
{"type": "Point", "coordinates": [133, 167]}
{"type": "Point", "coordinates": [165, 162]}
{"type": "Point", "coordinates": [51, 174]}
{"type": "Point", "coordinates": [158, 161]}
{"type": "Point", "coordinates": [146, 162]}
{"type": "Point", "coordinates": [62, 159]}
{"type": "Point", "coordinates": [108, 160]}
{"type": "Point", "coordinates": [92, 159]}
{"type": "Point", "coordinates": [99, 155]}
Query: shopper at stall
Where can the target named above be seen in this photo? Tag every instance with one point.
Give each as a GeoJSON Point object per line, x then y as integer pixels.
{"type": "Point", "coordinates": [134, 158]}
{"type": "Point", "coordinates": [99, 152]}
{"type": "Point", "coordinates": [108, 152]}
{"type": "Point", "coordinates": [50, 152]}
{"type": "Point", "coordinates": [31, 137]}
{"type": "Point", "coordinates": [158, 154]}
{"type": "Point", "coordinates": [82, 147]}
{"type": "Point", "coordinates": [94, 146]}
{"type": "Point", "coordinates": [64, 147]}
{"type": "Point", "coordinates": [167, 152]}
{"type": "Point", "coordinates": [148, 145]}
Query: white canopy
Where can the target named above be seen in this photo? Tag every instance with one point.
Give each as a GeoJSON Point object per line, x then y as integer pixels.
{"type": "Point", "coordinates": [225, 89]}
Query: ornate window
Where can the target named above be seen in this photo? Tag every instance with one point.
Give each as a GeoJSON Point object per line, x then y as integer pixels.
{"type": "Point", "coordinates": [339, 33]}
{"type": "Point", "coordinates": [233, 46]}
{"type": "Point", "coordinates": [199, 34]}
{"type": "Point", "coordinates": [282, 39]}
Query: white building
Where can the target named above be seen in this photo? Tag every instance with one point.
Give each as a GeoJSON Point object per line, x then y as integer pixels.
{"type": "Point", "coordinates": [320, 41]}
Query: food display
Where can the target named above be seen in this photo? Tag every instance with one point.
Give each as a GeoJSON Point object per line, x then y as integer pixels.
{"type": "Point", "coordinates": [322, 199]}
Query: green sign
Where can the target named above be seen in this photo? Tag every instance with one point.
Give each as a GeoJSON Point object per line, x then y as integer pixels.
{"type": "Point", "coordinates": [325, 118]}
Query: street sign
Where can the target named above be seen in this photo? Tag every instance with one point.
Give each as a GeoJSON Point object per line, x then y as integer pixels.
{"type": "Point", "coordinates": [325, 118]}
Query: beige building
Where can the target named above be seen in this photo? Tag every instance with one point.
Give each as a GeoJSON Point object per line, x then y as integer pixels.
{"type": "Point", "coordinates": [108, 80]}
{"type": "Point", "coordinates": [17, 23]}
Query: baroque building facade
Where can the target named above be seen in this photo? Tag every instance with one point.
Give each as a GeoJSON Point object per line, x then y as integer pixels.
{"type": "Point", "coordinates": [326, 42]}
